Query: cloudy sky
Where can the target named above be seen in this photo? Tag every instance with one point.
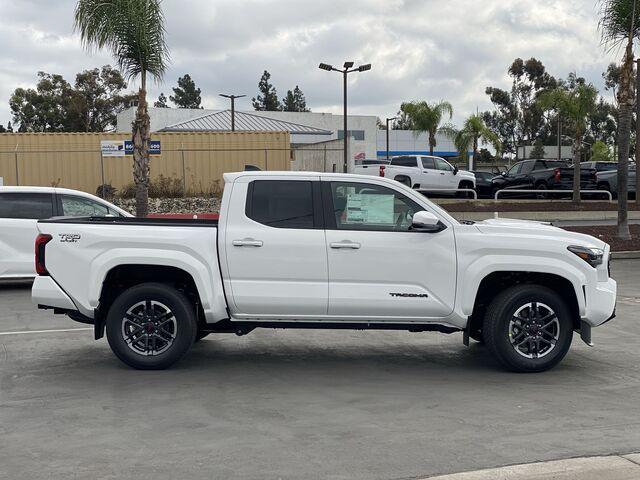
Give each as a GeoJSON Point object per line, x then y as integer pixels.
{"type": "Point", "coordinates": [420, 49]}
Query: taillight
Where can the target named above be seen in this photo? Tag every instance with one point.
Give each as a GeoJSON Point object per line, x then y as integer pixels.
{"type": "Point", "coordinates": [41, 243]}
{"type": "Point", "coordinates": [556, 174]}
{"type": "Point", "coordinates": [382, 167]}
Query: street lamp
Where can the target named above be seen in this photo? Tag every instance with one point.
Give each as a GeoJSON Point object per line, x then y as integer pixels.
{"type": "Point", "coordinates": [347, 69]}
{"type": "Point", "coordinates": [387, 121]}
{"type": "Point", "coordinates": [233, 108]}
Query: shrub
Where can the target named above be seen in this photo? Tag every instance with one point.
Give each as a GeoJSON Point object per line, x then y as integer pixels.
{"type": "Point", "coordinates": [166, 187]}
{"type": "Point", "coordinates": [106, 191]}
{"type": "Point", "coordinates": [128, 191]}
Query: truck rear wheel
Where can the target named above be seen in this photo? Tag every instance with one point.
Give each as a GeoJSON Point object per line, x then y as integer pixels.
{"type": "Point", "coordinates": [528, 328]}
{"type": "Point", "coordinates": [151, 326]}
{"type": "Point", "coordinates": [404, 180]}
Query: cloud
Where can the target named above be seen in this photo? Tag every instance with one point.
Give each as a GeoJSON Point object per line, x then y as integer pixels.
{"type": "Point", "coordinates": [420, 49]}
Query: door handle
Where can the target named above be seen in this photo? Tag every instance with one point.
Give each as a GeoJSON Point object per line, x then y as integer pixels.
{"type": "Point", "coordinates": [345, 244]}
{"type": "Point", "coordinates": [247, 242]}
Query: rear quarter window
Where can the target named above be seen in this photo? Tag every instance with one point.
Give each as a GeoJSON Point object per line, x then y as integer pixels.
{"type": "Point", "coordinates": [26, 205]}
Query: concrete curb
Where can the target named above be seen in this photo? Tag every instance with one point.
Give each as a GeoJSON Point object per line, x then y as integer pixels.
{"type": "Point", "coordinates": [625, 255]}
{"type": "Point", "coordinates": [615, 467]}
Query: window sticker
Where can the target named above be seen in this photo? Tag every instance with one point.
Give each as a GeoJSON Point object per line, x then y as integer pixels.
{"type": "Point", "coordinates": [370, 208]}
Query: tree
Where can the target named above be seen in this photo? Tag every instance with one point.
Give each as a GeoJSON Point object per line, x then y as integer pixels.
{"type": "Point", "coordinates": [295, 101]}
{"type": "Point", "coordinates": [161, 102]}
{"type": "Point", "coordinates": [96, 100]}
{"type": "Point", "coordinates": [472, 133]}
{"type": "Point", "coordinates": [402, 121]}
{"type": "Point", "coordinates": [45, 109]}
{"type": "Point", "coordinates": [427, 117]}
{"type": "Point", "coordinates": [186, 94]}
{"type": "Point", "coordinates": [267, 100]}
{"type": "Point", "coordinates": [9, 128]}
{"type": "Point", "coordinates": [619, 24]}
{"type": "Point", "coordinates": [91, 105]}
{"type": "Point", "coordinates": [600, 152]}
{"type": "Point", "coordinates": [517, 118]}
{"type": "Point", "coordinates": [134, 32]}
{"type": "Point", "coordinates": [538, 150]}
{"type": "Point", "coordinates": [575, 105]}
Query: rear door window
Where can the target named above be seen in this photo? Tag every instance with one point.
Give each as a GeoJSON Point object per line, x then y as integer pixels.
{"type": "Point", "coordinates": [73, 206]}
{"type": "Point", "coordinates": [281, 203]}
{"type": "Point", "coordinates": [26, 205]}
{"type": "Point", "coordinates": [427, 162]}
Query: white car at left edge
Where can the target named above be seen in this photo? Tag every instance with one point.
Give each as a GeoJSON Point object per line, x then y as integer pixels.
{"type": "Point", "coordinates": [20, 210]}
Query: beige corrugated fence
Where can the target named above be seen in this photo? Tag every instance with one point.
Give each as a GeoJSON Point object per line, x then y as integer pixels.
{"type": "Point", "coordinates": [73, 160]}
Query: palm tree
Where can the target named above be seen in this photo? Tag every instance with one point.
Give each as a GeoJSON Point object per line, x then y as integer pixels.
{"type": "Point", "coordinates": [472, 133]}
{"type": "Point", "coordinates": [575, 105]}
{"type": "Point", "coordinates": [426, 117]}
{"type": "Point", "coordinates": [619, 25]}
{"type": "Point", "coordinates": [134, 32]}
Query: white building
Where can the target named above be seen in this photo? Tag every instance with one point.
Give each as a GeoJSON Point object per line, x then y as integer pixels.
{"type": "Point", "coordinates": [410, 142]}
{"type": "Point", "coordinates": [363, 128]}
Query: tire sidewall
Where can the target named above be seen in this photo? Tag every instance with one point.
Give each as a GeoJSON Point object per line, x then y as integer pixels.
{"type": "Point", "coordinates": [185, 324]}
{"type": "Point", "coordinates": [498, 337]}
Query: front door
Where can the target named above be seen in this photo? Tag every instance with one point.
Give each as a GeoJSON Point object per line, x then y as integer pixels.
{"type": "Point", "coordinates": [379, 270]}
{"type": "Point", "coordinates": [274, 249]}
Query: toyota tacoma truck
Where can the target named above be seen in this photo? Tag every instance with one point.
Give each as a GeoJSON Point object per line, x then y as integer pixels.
{"type": "Point", "coordinates": [321, 250]}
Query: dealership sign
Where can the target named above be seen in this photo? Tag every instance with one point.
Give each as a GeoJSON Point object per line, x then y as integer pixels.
{"type": "Point", "coordinates": [154, 147]}
{"type": "Point", "coordinates": [112, 148]}
{"type": "Point", "coordinates": [120, 148]}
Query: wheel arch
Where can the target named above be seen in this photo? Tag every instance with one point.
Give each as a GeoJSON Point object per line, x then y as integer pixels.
{"type": "Point", "coordinates": [497, 281]}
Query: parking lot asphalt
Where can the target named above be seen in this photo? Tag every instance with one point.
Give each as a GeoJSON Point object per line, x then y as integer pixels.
{"type": "Point", "coordinates": [307, 404]}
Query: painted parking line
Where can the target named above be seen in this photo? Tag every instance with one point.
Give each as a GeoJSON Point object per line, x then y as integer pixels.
{"type": "Point", "coordinates": [23, 332]}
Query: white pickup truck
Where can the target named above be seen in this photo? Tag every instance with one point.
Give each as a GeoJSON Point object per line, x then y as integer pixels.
{"type": "Point", "coordinates": [424, 173]}
{"type": "Point", "coordinates": [316, 250]}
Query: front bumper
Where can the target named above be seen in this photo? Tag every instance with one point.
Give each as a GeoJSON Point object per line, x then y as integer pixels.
{"type": "Point", "coordinates": [600, 302]}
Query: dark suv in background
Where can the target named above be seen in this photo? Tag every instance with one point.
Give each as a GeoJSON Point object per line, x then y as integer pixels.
{"type": "Point", "coordinates": [542, 175]}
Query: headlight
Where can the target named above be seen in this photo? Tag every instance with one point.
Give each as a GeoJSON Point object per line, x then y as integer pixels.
{"type": "Point", "coordinates": [593, 256]}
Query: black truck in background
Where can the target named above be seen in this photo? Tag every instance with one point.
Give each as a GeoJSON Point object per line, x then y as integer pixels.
{"type": "Point", "coordinates": [542, 175]}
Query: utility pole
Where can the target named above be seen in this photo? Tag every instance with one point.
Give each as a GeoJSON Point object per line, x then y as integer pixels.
{"type": "Point", "coordinates": [233, 108]}
{"type": "Point", "coordinates": [347, 69]}
{"type": "Point", "coordinates": [387, 121]}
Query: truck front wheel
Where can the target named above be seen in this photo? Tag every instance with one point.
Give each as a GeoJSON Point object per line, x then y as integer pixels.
{"type": "Point", "coordinates": [151, 326]}
{"type": "Point", "coordinates": [528, 328]}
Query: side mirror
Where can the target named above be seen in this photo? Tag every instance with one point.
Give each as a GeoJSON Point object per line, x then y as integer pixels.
{"type": "Point", "coordinates": [426, 222]}
{"type": "Point", "coordinates": [455, 170]}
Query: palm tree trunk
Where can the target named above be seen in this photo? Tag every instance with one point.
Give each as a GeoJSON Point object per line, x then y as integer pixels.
{"type": "Point", "coordinates": [576, 168]}
{"type": "Point", "coordinates": [475, 153]}
{"type": "Point", "coordinates": [141, 132]}
{"type": "Point", "coordinates": [626, 101]}
{"type": "Point", "coordinates": [432, 142]}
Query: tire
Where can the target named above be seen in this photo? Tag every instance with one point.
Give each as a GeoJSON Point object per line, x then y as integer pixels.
{"type": "Point", "coordinates": [403, 180]}
{"type": "Point", "coordinates": [465, 194]}
{"type": "Point", "coordinates": [503, 328]}
{"type": "Point", "coordinates": [159, 322]}
{"type": "Point", "coordinates": [605, 186]}
{"type": "Point", "coordinates": [541, 195]}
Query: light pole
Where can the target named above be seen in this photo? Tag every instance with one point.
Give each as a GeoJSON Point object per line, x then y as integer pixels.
{"type": "Point", "coordinates": [387, 121]}
{"type": "Point", "coordinates": [347, 69]}
{"type": "Point", "coordinates": [233, 108]}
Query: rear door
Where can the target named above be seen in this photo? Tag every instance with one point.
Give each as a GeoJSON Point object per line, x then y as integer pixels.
{"type": "Point", "coordinates": [19, 213]}
{"type": "Point", "coordinates": [275, 258]}
{"type": "Point", "coordinates": [379, 270]}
